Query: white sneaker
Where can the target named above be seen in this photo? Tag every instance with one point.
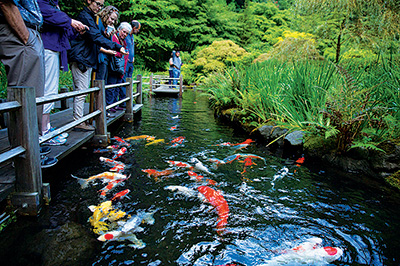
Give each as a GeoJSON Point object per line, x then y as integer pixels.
{"type": "Point", "coordinates": [55, 141]}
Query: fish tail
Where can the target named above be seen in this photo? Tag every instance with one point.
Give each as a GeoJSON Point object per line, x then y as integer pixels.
{"type": "Point", "coordinates": [83, 182]}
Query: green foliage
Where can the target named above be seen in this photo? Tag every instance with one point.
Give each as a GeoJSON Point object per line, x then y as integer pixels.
{"type": "Point", "coordinates": [3, 82]}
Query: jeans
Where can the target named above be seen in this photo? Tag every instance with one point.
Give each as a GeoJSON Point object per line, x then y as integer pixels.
{"type": "Point", "coordinates": [112, 94]}
{"type": "Point", "coordinates": [176, 73]}
{"type": "Point", "coordinates": [102, 71]}
{"type": "Point", "coordinates": [129, 70]}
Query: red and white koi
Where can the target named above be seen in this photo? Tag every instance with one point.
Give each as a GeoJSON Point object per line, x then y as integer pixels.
{"type": "Point", "coordinates": [178, 140]}
{"type": "Point", "coordinates": [121, 141]}
{"type": "Point", "coordinates": [217, 200]}
{"type": "Point", "coordinates": [173, 128]}
{"type": "Point", "coordinates": [119, 153]}
{"type": "Point", "coordinates": [120, 195]}
{"type": "Point", "coordinates": [180, 164]}
{"type": "Point", "coordinates": [310, 252]}
{"type": "Point", "coordinates": [195, 176]}
{"type": "Point", "coordinates": [110, 162]}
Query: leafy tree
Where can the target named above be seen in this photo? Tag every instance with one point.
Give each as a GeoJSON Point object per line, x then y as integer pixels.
{"type": "Point", "coordinates": [364, 23]}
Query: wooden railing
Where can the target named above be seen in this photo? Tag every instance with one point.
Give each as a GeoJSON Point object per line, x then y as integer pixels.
{"type": "Point", "coordinates": [23, 134]}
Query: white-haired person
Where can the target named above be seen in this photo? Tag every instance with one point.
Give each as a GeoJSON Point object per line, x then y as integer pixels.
{"type": "Point", "coordinates": [118, 77]}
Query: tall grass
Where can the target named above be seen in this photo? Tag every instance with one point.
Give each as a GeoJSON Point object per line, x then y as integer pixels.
{"type": "Point", "coordinates": [356, 106]}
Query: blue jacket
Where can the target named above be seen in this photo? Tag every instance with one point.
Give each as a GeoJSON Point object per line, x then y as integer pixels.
{"type": "Point", "coordinates": [130, 45]}
{"type": "Point", "coordinates": [85, 48]}
{"type": "Point", "coordinates": [56, 30]}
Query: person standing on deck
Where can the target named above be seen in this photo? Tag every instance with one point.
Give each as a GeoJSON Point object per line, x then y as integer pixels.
{"type": "Point", "coordinates": [130, 45]}
{"type": "Point", "coordinates": [175, 67]}
{"type": "Point", "coordinates": [57, 29]}
{"type": "Point", "coordinates": [114, 78]}
{"type": "Point", "coordinates": [130, 42]}
{"type": "Point", "coordinates": [21, 51]}
{"type": "Point", "coordinates": [83, 55]}
{"type": "Point", "coordinates": [108, 17]}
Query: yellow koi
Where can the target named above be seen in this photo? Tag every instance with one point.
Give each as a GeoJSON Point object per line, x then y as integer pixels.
{"type": "Point", "coordinates": [155, 141]}
{"type": "Point", "coordinates": [146, 137]}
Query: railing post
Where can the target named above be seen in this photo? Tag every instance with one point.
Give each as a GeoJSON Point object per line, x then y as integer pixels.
{"type": "Point", "coordinates": [180, 85]}
{"type": "Point", "coordinates": [151, 83]}
{"type": "Point", "coordinates": [64, 104]}
{"type": "Point", "coordinates": [129, 104]}
{"type": "Point", "coordinates": [100, 138]}
{"type": "Point", "coordinates": [23, 130]}
{"type": "Point", "coordinates": [139, 89]}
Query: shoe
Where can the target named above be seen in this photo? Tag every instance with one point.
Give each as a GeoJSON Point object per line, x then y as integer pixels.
{"type": "Point", "coordinates": [44, 150]}
{"type": "Point", "coordinates": [112, 110]}
{"type": "Point", "coordinates": [84, 126]}
{"type": "Point", "coordinates": [47, 162]}
{"type": "Point", "coordinates": [119, 108]}
{"type": "Point", "coordinates": [62, 135]}
{"type": "Point", "coordinates": [55, 141]}
{"type": "Point", "coordinates": [110, 115]}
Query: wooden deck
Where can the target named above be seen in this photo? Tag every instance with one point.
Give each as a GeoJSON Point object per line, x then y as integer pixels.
{"type": "Point", "coordinates": [165, 90]}
{"type": "Point", "coordinates": [76, 139]}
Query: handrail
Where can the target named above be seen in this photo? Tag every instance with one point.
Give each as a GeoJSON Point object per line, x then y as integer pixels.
{"type": "Point", "coordinates": [68, 126]}
{"type": "Point", "coordinates": [9, 106]}
{"type": "Point", "coordinates": [5, 156]}
{"type": "Point", "coordinates": [65, 95]}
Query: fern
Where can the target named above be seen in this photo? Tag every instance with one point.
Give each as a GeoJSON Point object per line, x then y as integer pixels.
{"type": "Point", "coordinates": [368, 146]}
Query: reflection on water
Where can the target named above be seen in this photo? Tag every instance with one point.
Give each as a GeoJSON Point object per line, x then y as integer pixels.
{"type": "Point", "coordinates": [274, 205]}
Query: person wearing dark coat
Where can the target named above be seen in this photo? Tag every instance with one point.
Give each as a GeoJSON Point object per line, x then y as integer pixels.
{"type": "Point", "coordinates": [56, 31]}
{"type": "Point", "coordinates": [84, 53]}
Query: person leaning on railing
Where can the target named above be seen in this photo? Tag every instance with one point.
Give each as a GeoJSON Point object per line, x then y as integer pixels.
{"type": "Point", "coordinates": [84, 53]}
{"type": "Point", "coordinates": [21, 51]}
{"type": "Point", "coordinates": [57, 29]}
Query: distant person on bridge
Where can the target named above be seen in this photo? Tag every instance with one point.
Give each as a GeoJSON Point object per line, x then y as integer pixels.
{"type": "Point", "coordinates": [57, 29]}
{"type": "Point", "coordinates": [175, 68]}
{"type": "Point", "coordinates": [83, 55]}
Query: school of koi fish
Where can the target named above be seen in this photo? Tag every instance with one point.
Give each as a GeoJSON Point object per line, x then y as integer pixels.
{"type": "Point", "coordinates": [113, 224]}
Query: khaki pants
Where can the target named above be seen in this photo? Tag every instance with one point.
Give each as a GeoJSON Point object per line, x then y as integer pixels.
{"type": "Point", "coordinates": [24, 62]}
{"type": "Point", "coordinates": [81, 82]}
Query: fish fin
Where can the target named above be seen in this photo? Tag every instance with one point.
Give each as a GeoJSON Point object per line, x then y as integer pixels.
{"type": "Point", "coordinates": [83, 182]}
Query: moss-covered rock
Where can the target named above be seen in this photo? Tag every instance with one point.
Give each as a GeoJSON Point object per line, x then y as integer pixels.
{"type": "Point", "coordinates": [394, 180]}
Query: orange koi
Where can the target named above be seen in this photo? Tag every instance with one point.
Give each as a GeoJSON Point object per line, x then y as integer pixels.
{"type": "Point", "coordinates": [300, 160]}
{"type": "Point", "coordinates": [179, 140]}
{"type": "Point", "coordinates": [119, 153]}
{"type": "Point", "coordinates": [216, 199]}
{"type": "Point", "coordinates": [211, 182]}
{"type": "Point", "coordinates": [157, 173]}
{"type": "Point", "coordinates": [121, 194]}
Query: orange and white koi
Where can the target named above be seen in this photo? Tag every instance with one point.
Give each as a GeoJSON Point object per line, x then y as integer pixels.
{"type": "Point", "coordinates": [180, 164]}
{"type": "Point", "coordinates": [120, 195]}
{"type": "Point", "coordinates": [105, 177]}
{"type": "Point", "coordinates": [252, 156]}
{"type": "Point", "coordinates": [119, 153]}
{"type": "Point", "coordinates": [119, 168]}
{"type": "Point", "coordinates": [173, 128]}
{"type": "Point", "coordinates": [113, 147]}
{"type": "Point", "coordinates": [110, 186]}
{"type": "Point", "coordinates": [217, 200]}
{"type": "Point", "coordinates": [121, 141]}
{"type": "Point", "coordinates": [110, 162]}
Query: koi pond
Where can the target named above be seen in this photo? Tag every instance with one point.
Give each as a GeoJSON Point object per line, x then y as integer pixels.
{"type": "Point", "coordinates": [208, 197]}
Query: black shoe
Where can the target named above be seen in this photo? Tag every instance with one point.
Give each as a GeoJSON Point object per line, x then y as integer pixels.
{"type": "Point", "coordinates": [47, 162]}
{"type": "Point", "coordinates": [45, 150]}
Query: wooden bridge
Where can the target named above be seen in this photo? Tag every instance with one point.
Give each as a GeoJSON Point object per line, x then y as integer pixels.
{"type": "Point", "coordinates": [21, 175]}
